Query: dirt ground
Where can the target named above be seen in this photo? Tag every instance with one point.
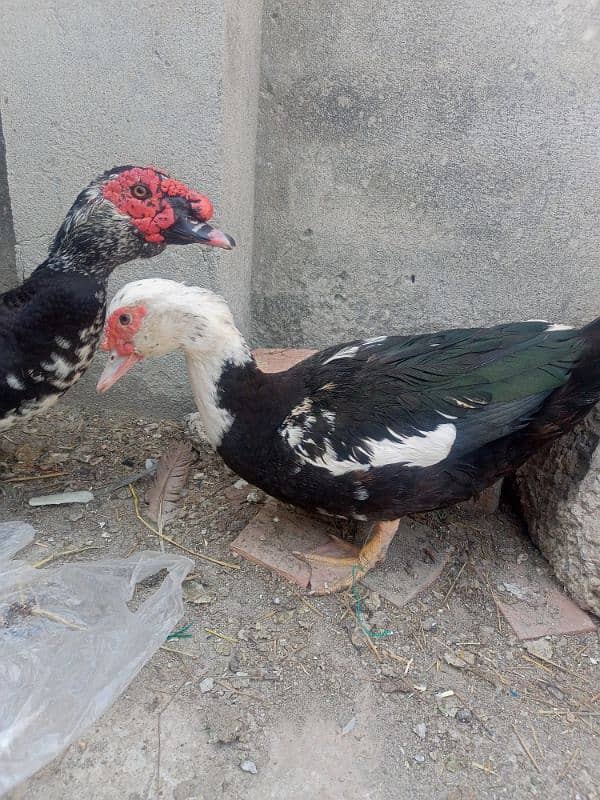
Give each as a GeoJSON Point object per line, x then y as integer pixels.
{"type": "Point", "coordinates": [297, 689]}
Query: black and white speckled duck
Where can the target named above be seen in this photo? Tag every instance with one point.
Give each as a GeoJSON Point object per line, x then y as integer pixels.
{"type": "Point", "coordinates": [372, 429]}
{"type": "Point", "coordinates": [51, 324]}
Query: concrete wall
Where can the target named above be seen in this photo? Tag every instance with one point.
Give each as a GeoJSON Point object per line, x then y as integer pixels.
{"type": "Point", "coordinates": [85, 86]}
{"type": "Point", "coordinates": [424, 165]}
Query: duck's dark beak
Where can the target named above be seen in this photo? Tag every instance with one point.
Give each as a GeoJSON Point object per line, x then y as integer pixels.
{"type": "Point", "coordinates": [188, 229]}
{"type": "Point", "coordinates": [115, 368]}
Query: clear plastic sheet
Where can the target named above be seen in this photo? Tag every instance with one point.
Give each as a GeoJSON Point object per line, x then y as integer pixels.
{"type": "Point", "coordinates": [70, 644]}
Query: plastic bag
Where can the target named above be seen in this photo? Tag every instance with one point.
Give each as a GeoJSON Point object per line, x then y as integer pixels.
{"type": "Point", "coordinates": [70, 645]}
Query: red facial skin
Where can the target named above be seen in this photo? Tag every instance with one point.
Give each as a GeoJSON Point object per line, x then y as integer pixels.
{"type": "Point", "coordinates": [152, 214]}
{"type": "Point", "coordinates": [121, 327]}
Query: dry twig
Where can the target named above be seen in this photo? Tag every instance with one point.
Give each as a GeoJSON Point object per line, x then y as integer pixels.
{"type": "Point", "coordinates": [567, 767]}
{"type": "Point", "coordinates": [221, 636]}
{"type": "Point", "coordinates": [453, 584]}
{"type": "Point", "coordinates": [42, 612]}
{"type": "Point", "coordinates": [72, 552]}
{"type": "Point", "coordinates": [526, 749]}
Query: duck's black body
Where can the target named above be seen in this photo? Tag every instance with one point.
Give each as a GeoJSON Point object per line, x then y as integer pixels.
{"type": "Point", "coordinates": [316, 435]}
{"type": "Point", "coordinates": [49, 331]}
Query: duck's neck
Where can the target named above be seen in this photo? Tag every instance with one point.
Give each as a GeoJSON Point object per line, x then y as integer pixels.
{"type": "Point", "coordinates": [209, 373]}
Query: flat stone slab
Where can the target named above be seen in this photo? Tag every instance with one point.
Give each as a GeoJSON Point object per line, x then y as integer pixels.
{"type": "Point", "coordinates": [526, 594]}
{"type": "Point", "coordinates": [533, 607]}
{"type": "Point", "coordinates": [413, 564]}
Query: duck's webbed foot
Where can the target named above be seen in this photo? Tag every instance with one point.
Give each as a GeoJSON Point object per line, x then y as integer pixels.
{"type": "Point", "coordinates": [338, 564]}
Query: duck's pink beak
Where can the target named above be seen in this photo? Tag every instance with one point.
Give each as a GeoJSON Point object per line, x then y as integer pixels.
{"type": "Point", "coordinates": [114, 370]}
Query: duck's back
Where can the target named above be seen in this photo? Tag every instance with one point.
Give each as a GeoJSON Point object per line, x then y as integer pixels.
{"type": "Point", "coordinates": [381, 427]}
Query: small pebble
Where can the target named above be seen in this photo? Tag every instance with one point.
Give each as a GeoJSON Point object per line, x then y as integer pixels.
{"type": "Point", "coordinates": [429, 624]}
{"type": "Point", "coordinates": [463, 715]}
{"type": "Point", "coordinates": [420, 730]}
{"type": "Point", "coordinates": [541, 648]}
{"type": "Point", "coordinates": [222, 648]}
{"type": "Point", "coordinates": [207, 685]}
{"type": "Point", "coordinates": [240, 484]}
{"type": "Point", "coordinates": [249, 766]}
{"type": "Point", "coordinates": [349, 726]}
{"type": "Point", "coordinates": [372, 602]}
{"type": "Point", "coordinates": [420, 758]}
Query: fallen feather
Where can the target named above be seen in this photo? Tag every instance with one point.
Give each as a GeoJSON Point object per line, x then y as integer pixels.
{"type": "Point", "coordinates": [62, 498]}
{"type": "Point", "coordinates": [172, 472]}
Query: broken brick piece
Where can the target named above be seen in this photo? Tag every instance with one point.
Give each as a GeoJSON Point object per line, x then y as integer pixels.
{"type": "Point", "coordinates": [412, 565]}
{"type": "Point", "coordinates": [270, 359]}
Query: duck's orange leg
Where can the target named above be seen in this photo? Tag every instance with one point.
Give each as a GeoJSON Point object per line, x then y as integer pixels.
{"type": "Point", "coordinates": [337, 565]}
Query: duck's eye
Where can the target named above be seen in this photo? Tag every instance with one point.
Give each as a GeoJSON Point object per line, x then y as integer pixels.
{"type": "Point", "coordinates": [125, 319]}
{"type": "Point", "coordinates": [141, 191]}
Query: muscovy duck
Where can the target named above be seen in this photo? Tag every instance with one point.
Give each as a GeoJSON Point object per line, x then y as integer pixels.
{"type": "Point", "coordinates": [51, 324]}
{"type": "Point", "coordinates": [371, 429]}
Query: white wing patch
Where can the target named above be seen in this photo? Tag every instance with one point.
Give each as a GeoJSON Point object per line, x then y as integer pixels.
{"type": "Point", "coordinates": [423, 449]}
{"type": "Point", "coordinates": [59, 365]}
{"type": "Point", "coordinates": [14, 382]}
{"type": "Point", "coordinates": [345, 352]}
{"type": "Point", "coordinates": [558, 327]}
{"type": "Point", "coordinates": [373, 340]}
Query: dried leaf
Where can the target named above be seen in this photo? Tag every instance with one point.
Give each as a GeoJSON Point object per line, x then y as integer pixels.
{"type": "Point", "coordinates": [172, 473]}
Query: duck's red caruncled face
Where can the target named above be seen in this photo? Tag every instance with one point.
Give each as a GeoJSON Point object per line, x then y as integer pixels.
{"type": "Point", "coordinates": [121, 327]}
{"type": "Point", "coordinates": [142, 193]}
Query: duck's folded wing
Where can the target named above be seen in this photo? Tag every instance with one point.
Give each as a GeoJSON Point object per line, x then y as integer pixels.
{"type": "Point", "coordinates": [418, 400]}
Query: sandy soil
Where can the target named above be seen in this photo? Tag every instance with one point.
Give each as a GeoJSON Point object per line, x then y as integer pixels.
{"type": "Point", "coordinates": [297, 689]}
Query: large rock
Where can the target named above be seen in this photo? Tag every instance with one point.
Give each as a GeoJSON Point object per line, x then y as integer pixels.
{"type": "Point", "coordinates": [560, 495]}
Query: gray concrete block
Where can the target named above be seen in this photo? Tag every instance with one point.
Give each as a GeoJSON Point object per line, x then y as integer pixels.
{"type": "Point", "coordinates": [560, 496]}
